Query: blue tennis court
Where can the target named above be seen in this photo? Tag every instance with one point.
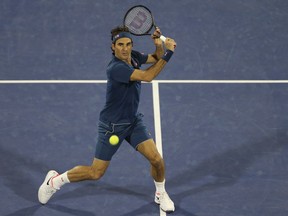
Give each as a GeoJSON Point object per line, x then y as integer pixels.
{"type": "Point", "coordinates": [218, 110]}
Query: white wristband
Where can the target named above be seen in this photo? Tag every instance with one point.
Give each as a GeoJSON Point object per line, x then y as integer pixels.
{"type": "Point", "coordinates": [163, 38]}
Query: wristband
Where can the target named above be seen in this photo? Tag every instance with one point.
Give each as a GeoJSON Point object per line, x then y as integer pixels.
{"type": "Point", "coordinates": [167, 55]}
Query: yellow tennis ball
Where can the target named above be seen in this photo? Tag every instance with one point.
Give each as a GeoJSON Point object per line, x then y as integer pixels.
{"type": "Point", "coordinates": [114, 140]}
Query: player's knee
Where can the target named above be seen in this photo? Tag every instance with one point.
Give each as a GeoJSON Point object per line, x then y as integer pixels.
{"type": "Point", "coordinates": [96, 174]}
{"type": "Point", "coordinates": [157, 161]}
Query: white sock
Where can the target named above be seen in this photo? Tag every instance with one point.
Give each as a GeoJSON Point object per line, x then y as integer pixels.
{"type": "Point", "coordinates": [160, 187]}
{"type": "Point", "coordinates": [58, 181]}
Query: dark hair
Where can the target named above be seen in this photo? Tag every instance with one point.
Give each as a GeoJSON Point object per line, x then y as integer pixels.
{"type": "Point", "coordinates": [117, 30]}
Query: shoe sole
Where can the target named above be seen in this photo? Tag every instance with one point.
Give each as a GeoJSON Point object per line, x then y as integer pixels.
{"type": "Point", "coordinates": [158, 203]}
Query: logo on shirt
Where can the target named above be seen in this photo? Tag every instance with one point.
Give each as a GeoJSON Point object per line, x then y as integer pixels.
{"type": "Point", "coordinates": [134, 63]}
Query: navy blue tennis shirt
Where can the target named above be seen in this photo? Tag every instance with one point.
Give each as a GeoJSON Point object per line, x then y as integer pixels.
{"type": "Point", "coordinates": [122, 95]}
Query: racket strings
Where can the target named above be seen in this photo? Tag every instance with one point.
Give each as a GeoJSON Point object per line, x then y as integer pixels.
{"type": "Point", "coordinates": [139, 21]}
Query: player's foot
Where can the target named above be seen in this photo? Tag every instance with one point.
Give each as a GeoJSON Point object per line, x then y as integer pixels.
{"type": "Point", "coordinates": [166, 204]}
{"type": "Point", "coordinates": [46, 190]}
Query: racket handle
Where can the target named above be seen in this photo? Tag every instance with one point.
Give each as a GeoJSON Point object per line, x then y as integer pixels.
{"type": "Point", "coordinates": [163, 38]}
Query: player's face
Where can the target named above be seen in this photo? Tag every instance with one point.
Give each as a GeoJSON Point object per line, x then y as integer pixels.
{"type": "Point", "coordinates": [123, 48]}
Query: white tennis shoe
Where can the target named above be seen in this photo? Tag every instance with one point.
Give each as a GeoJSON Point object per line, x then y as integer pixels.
{"type": "Point", "coordinates": [46, 190]}
{"type": "Point", "coordinates": [166, 204]}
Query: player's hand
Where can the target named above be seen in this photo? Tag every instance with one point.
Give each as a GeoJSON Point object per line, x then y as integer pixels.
{"type": "Point", "coordinates": [156, 37]}
{"type": "Point", "coordinates": [170, 44]}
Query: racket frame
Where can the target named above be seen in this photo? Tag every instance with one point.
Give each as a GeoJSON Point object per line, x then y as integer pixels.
{"type": "Point", "coordinates": [163, 38]}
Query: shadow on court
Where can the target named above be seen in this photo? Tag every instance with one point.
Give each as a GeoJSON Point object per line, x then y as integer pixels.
{"type": "Point", "coordinates": [223, 169]}
{"type": "Point", "coordinates": [226, 168]}
{"type": "Point", "coordinates": [33, 209]}
{"type": "Point", "coordinates": [16, 172]}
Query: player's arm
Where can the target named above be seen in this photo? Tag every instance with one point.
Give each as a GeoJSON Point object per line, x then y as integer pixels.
{"type": "Point", "coordinates": [152, 72]}
{"type": "Point", "coordinates": [159, 51]}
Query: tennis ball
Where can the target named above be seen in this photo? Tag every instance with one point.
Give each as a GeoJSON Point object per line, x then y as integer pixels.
{"type": "Point", "coordinates": [114, 140]}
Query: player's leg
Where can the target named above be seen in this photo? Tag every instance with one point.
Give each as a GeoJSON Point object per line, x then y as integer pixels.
{"type": "Point", "coordinates": [54, 181]}
{"type": "Point", "coordinates": [140, 138]}
{"type": "Point", "coordinates": [81, 173]}
{"type": "Point", "coordinates": [103, 154]}
{"type": "Point", "coordinates": [93, 172]}
{"type": "Point", "coordinates": [148, 150]}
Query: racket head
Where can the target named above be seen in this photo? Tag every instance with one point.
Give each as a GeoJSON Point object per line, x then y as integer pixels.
{"type": "Point", "coordinates": [139, 20]}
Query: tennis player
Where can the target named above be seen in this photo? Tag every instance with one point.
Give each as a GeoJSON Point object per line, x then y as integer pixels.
{"type": "Point", "coordinates": [120, 116]}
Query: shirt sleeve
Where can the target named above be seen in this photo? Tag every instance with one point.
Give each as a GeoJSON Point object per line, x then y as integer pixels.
{"type": "Point", "coordinates": [121, 72]}
{"type": "Point", "coordinates": [142, 58]}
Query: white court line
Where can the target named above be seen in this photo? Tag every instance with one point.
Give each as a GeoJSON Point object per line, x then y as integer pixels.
{"type": "Point", "coordinates": [154, 81]}
{"type": "Point", "coordinates": [157, 117]}
{"type": "Point", "coordinates": [51, 81]}
{"type": "Point", "coordinates": [222, 81]}
{"type": "Point", "coordinates": [157, 123]}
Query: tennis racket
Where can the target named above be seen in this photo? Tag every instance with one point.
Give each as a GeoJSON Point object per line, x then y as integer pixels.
{"type": "Point", "coordinates": [140, 21]}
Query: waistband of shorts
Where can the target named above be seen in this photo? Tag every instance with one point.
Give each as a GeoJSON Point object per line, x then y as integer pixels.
{"type": "Point", "coordinates": [121, 122]}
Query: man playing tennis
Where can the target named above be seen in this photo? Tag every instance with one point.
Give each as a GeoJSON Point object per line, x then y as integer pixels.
{"type": "Point", "coordinates": [120, 117]}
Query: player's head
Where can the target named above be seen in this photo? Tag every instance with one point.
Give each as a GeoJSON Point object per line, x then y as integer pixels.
{"type": "Point", "coordinates": [121, 42]}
